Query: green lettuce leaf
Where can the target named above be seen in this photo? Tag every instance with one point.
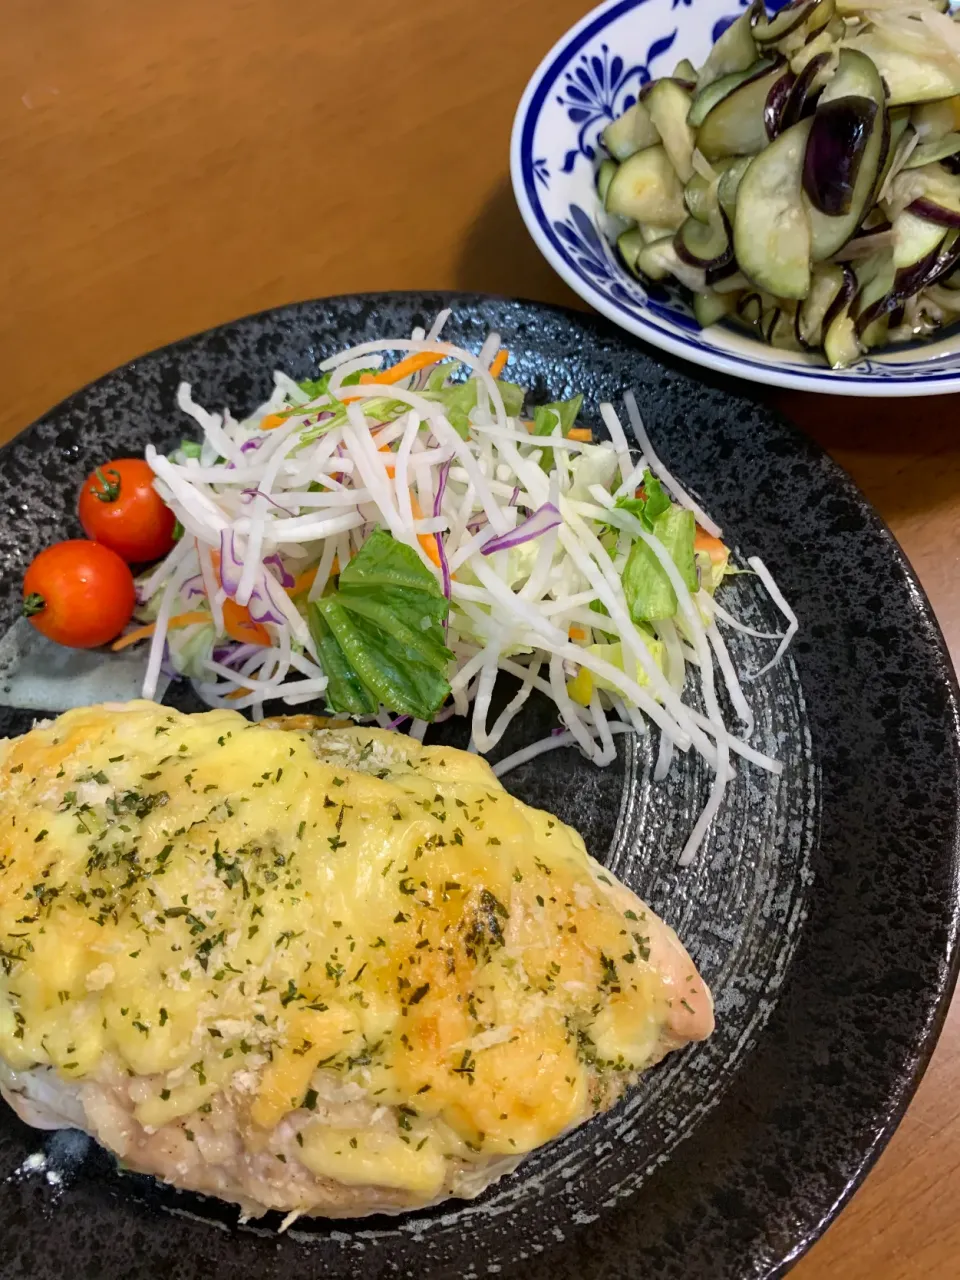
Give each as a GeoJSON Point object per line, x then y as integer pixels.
{"type": "Point", "coordinates": [653, 503]}
{"type": "Point", "coordinates": [649, 593]}
{"type": "Point", "coordinates": [546, 417]}
{"type": "Point", "coordinates": [314, 387]}
{"type": "Point", "coordinates": [461, 397]}
{"type": "Point", "coordinates": [380, 633]}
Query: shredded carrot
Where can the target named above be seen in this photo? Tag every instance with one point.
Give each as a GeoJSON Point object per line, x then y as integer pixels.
{"type": "Point", "coordinates": [238, 693]}
{"type": "Point", "coordinates": [714, 548]}
{"type": "Point", "coordinates": [304, 581]}
{"type": "Point", "coordinates": [273, 420]}
{"type": "Point", "coordinates": [577, 633]}
{"type": "Point", "coordinates": [499, 362]}
{"type": "Point", "coordinates": [144, 633]}
{"type": "Point", "coordinates": [583, 434]}
{"type": "Point", "coordinates": [240, 626]}
{"type": "Point", "coordinates": [410, 364]}
{"type": "Point", "coordinates": [427, 540]}
{"type": "Point", "coordinates": [390, 468]}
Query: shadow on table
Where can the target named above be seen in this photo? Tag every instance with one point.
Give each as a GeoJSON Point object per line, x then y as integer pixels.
{"type": "Point", "coordinates": [499, 256]}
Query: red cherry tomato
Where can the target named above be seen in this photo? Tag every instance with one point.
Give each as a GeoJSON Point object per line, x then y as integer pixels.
{"type": "Point", "coordinates": [120, 508]}
{"type": "Point", "coordinates": [79, 593]}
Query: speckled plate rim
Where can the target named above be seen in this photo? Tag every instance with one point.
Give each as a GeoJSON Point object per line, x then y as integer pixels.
{"type": "Point", "coordinates": [882, 1117]}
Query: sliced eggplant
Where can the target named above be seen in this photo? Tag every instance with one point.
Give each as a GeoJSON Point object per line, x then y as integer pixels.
{"type": "Point", "coordinates": [735, 282]}
{"type": "Point", "coordinates": [629, 246]}
{"type": "Point", "coordinates": [750, 308]}
{"type": "Point", "coordinates": [647, 189]}
{"type": "Point", "coordinates": [774, 108]}
{"type": "Point", "coordinates": [940, 214]}
{"type": "Point", "coordinates": [659, 260]}
{"type": "Point", "coordinates": [934, 120]}
{"type": "Point", "coordinates": [767, 31]}
{"type": "Point", "coordinates": [771, 229]}
{"type": "Point", "coordinates": [709, 306]}
{"type": "Point", "coordinates": [778, 328]}
{"type": "Point", "coordinates": [856, 77]}
{"type": "Point", "coordinates": [730, 183]}
{"type": "Point", "coordinates": [706, 245]}
{"type": "Point", "coordinates": [840, 343]}
{"type": "Point", "coordinates": [707, 98]}
{"type": "Point", "coordinates": [734, 51]}
{"type": "Point", "coordinates": [685, 70]}
{"type": "Point", "coordinates": [604, 177]}
{"type": "Point", "coordinates": [651, 263]}
{"type": "Point", "coordinates": [650, 231]}
{"type": "Point", "coordinates": [736, 126]}
{"type": "Point", "coordinates": [822, 45]}
{"type": "Point", "coordinates": [805, 90]}
{"type": "Point", "coordinates": [938, 263]}
{"type": "Point", "coordinates": [839, 136]}
{"type": "Point", "coordinates": [696, 196]}
{"type": "Point", "coordinates": [908, 76]}
{"type": "Point", "coordinates": [827, 283]}
{"type": "Point", "coordinates": [875, 300]}
{"type": "Point", "coordinates": [933, 152]}
{"type": "Point", "coordinates": [914, 239]}
{"type": "Point", "coordinates": [934, 185]}
{"type": "Point", "coordinates": [668, 106]}
{"type": "Point", "coordinates": [631, 132]}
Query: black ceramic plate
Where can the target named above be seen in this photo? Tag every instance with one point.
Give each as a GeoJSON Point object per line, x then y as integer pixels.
{"type": "Point", "coordinates": [823, 908]}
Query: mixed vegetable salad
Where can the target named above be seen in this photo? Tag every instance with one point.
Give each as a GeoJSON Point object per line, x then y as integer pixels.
{"type": "Point", "coordinates": [805, 181]}
{"type": "Point", "coordinates": [388, 538]}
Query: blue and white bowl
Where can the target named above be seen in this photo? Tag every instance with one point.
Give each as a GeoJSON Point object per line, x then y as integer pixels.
{"type": "Point", "coordinates": [590, 76]}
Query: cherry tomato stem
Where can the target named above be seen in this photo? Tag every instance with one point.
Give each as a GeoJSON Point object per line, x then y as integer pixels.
{"type": "Point", "coordinates": [120, 508]}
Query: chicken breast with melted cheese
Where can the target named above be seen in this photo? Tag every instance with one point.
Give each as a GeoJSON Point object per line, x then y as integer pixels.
{"type": "Point", "coordinates": [321, 971]}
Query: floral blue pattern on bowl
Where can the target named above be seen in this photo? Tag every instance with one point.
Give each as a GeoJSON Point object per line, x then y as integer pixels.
{"type": "Point", "coordinates": [591, 76]}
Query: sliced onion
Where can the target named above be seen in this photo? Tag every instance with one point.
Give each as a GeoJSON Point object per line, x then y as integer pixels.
{"type": "Point", "coordinates": [231, 566]}
{"type": "Point", "coordinates": [542, 521]}
{"type": "Point", "coordinates": [286, 579]}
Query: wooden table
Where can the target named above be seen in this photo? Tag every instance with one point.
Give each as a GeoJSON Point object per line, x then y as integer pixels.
{"type": "Point", "coordinates": [171, 164]}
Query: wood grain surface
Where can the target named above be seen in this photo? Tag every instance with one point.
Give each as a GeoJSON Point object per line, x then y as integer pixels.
{"type": "Point", "coordinates": [171, 164]}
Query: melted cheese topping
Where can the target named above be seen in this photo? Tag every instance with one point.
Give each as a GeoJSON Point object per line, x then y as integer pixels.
{"type": "Point", "coordinates": [218, 905]}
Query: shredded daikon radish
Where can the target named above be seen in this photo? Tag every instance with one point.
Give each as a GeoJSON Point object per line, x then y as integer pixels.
{"type": "Point", "coordinates": [273, 516]}
{"type": "Point", "coordinates": [659, 470]}
{"type": "Point", "coordinates": [765, 576]}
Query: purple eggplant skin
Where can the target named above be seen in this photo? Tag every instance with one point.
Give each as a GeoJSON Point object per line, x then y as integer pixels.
{"type": "Point", "coordinates": [722, 268]}
{"type": "Point", "coordinates": [909, 281]}
{"type": "Point", "coordinates": [776, 104]}
{"type": "Point", "coordinates": [835, 149]}
{"type": "Point", "coordinates": [934, 212]}
{"type": "Point", "coordinates": [724, 264]}
{"type": "Point", "coordinates": [802, 101]}
{"type": "Point", "coordinates": [843, 298]}
{"type": "Point", "coordinates": [797, 10]}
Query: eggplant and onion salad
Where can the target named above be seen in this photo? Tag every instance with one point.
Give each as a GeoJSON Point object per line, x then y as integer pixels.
{"type": "Point", "coordinates": [805, 182]}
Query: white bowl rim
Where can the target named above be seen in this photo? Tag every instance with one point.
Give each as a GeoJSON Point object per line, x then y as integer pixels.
{"type": "Point", "coordinates": [766, 371]}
